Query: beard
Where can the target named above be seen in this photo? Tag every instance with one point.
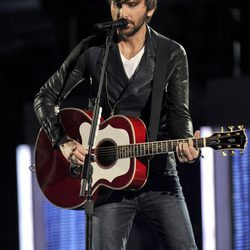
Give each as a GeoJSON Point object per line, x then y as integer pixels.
{"type": "Point", "coordinates": [128, 32]}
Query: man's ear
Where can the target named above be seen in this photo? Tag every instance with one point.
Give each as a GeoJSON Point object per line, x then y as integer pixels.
{"type": "Point", "coordinates": [151, 12]}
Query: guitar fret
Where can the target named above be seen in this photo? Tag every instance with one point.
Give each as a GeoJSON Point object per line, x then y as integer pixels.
{"type": "Point", "coordinates": [161, 147]}
{"type": "Point", "coordinates": [204, 142]}
{"type": "Point", "coordinates": [201, 142]}
{"type": "Point", "coordinates": [127, 151]}
{"type": "Point", "coordinates": [164, 146]}
{"type": "Point", "coordinates": [140, 153]}
{"type": "Point", "coordinates": [132, 151]}
{"type": "Point", "coordinates": [157, 147]}
{"type": "Point", "coordinates": [120, 152]}
{"type": "Point", "coordinates": [170, 144]}
{"type": "Point", "coordinates": [147, 151]}
{"type": "Point", "coordinates": [142, 149]}
{"type": "Point", "coordinates": [123, 152]}
{"type": "Point", "coordinates": [151, 148]}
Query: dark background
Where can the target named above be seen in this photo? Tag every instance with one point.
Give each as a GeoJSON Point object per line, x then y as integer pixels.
{"type": "Point", "coordinates": [37, 35]}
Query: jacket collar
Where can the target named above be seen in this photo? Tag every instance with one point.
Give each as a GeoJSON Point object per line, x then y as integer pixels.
{"type": "Point", "coordinates": [151, 42]}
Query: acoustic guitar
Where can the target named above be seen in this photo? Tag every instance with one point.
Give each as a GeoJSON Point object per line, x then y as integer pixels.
{"type": "Point", "coordinates": [119, 156]}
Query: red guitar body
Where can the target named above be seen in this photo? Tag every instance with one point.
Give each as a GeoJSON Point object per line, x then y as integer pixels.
{"type": "Point", "coordinates": [53, 173]}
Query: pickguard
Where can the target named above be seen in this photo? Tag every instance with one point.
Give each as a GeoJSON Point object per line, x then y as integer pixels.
{"type": "Point", "coordinates": [120, 137]}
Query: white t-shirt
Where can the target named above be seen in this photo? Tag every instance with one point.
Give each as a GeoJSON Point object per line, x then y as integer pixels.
{"type": "Point", "coordinates": [131, 64]}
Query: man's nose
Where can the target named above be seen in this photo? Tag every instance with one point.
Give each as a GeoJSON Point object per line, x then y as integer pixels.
{"type": "Point", "coordinates": [123, 11]}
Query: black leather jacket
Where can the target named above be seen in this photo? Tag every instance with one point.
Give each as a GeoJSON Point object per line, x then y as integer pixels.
{"type": "Point", "coordinates": [120, 94]}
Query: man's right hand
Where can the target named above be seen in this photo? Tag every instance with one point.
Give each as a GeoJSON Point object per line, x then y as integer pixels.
{"type": "Point", "coordinates": [74, 152]}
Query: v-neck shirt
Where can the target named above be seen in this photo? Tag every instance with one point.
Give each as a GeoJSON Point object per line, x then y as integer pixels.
{"type": "Point", "coordinates": [131, 64]}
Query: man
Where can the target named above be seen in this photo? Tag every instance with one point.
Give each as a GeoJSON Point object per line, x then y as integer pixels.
{"type": "Point", "coordinates": [127, 91]}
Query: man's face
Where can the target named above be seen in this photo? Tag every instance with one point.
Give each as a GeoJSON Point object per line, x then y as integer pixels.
{"type": "Point", "coordinates": [134, 11]}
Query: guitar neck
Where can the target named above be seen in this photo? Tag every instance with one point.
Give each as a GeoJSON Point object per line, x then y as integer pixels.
{"type": "Point", "coordinates": [154, 148]}
{"type": "Point", "coordinates": [229, 140]}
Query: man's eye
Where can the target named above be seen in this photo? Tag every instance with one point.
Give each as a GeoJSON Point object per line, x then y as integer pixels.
{"type": "Point", "coordinates": [129, 4]}
{"type": "Point", "coordinates": [118, 5]}
{"type": "Point", "coordinates": [132, 4]}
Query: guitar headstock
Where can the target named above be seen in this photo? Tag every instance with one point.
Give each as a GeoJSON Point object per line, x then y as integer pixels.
{"type": "Point", "coordinates": [233, 139]}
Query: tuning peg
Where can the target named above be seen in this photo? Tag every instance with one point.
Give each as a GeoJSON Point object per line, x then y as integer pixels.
{"type": "Point", "coordinates": [232, 153]}
{"type": "Point", "coordinates": [231, 128]}
{"type": "Point", "coordinates": [240, 126]}
{"type": "Point", "coordinates": [224, 153]}
{"type": "Point", "coordinates": [222, 129]}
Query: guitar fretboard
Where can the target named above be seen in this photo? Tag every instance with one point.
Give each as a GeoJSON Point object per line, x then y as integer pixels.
{"type": "Point", "coordinates": [233, 140]}
{"type": "Point", "coordinates": [153, 148]}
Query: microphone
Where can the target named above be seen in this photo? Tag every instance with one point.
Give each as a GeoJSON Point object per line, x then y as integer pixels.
{"type": "Point", "coordinates": [118, 24]}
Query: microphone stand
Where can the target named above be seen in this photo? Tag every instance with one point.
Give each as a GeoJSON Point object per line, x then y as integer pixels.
{"type": "Point", "coordinates": [87, 169]}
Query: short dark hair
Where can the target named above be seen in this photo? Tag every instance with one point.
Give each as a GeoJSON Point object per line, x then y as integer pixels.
{"type": "Point", "coordinates": [151, 4]}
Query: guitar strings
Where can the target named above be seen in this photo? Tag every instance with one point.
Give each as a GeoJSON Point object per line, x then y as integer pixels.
{"type": "Point", "coordinates": [140, 149]}
{"type": "Point", "coordinates": [131, 149]}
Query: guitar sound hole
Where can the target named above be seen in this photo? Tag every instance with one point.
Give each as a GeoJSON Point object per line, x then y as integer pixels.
{"type": "Point", "coordinates": [106, 153]}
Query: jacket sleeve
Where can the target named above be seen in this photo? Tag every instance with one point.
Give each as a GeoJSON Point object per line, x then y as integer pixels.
{"type": "Point", "coordinates": [59, 85]}
{"type": "Point", "coordinates": [178, 114]}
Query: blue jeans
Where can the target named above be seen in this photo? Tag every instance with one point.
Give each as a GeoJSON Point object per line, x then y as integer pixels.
{"type": "Point", "coordinates": [165, 212]}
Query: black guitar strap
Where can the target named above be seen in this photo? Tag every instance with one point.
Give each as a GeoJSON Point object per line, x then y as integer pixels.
{"type": "Point", "coordinates": [158, 85]}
